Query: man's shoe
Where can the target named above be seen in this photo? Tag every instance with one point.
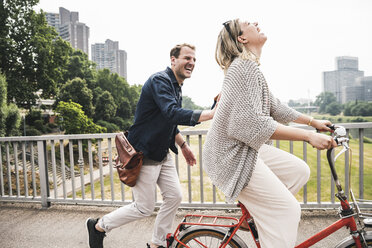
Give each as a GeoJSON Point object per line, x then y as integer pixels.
{"type": "Point", "coordinates": [95, 236]}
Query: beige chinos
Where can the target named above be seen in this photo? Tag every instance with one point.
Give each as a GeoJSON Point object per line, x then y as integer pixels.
{"type": "Point", "coordinates": [164, 175]}
{"type": "Point", "coordinates": [269, 196]}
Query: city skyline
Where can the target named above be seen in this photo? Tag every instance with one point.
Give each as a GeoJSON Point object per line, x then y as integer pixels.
{"type": "Point", "coordinates": [304, 38]}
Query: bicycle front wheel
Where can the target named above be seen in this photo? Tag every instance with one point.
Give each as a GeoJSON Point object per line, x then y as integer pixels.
{"type": "Point", "coordinates": [208, 237]}
{"type": "Point", "coordinates": [350, 243]}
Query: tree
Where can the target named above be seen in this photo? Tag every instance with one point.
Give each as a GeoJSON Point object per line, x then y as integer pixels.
{"type": "Point", "coordinates": [10, 118]}
{"type": "Point", "coordinates": [358, 109]}
{"type": "Point", "coordinates": [106, 107]}
{"type": "Point", "coordinates": [72, 118]}
{"type": "Point", "coordinates": [124, 95]}
{"type": "Point", "coordinates": [333, 108]}
{"type": "Point", "coordinates": [77, 91]}
{"type": "Point", "coordinates": [32, 55]}
{"type": "Point", "coordinates": [3, 105]}
{"type": "Point", "coordinates": [80, 66]}
{"type": "Point", "coordinates": [323, 100]}
{"type": "Point", "coordinates": [187, 103]}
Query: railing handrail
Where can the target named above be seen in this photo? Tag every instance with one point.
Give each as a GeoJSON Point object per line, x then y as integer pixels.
{"type": "Point", "coordinates": [184, 132]}
{"type": "Point", "coordinates": [43, 154]}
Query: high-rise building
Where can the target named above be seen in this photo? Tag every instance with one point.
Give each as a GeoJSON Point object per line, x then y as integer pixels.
{"type": "Point", "coordinates": [366, 82]}
{"type": "Point", "coordinates": [107, 55]}
{"type": "Point", "coordinates": [53, 20]}
{"type": "Point", "coordinates": [345, 75]}
{"type": "Point", "coordinates": [361, 91]}
{"type": "Point", "coordinates": [70, 29]}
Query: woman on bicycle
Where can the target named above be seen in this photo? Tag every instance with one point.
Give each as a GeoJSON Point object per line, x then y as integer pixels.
{"type": "Point", "coordinates": [237, 153]}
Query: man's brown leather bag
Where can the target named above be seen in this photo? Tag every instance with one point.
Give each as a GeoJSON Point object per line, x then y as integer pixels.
{"type": "Point", "coordinates": [129, 161]}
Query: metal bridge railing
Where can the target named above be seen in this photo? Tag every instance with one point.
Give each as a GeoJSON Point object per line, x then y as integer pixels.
{"type": "Point", "coordinates": [78, 169]}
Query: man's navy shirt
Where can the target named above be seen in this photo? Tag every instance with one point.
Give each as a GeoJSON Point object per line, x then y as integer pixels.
{"type": "Point", "coordinates": [159, 111]}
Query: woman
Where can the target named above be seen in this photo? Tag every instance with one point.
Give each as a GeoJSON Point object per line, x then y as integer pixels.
{"type": "Point", "coordinates": [237, 155]}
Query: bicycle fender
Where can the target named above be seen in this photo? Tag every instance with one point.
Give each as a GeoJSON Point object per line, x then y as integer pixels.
{"type": "Point", "coordinates": [349, 240]}
{"type": "Point", "coordinates": [238, 240]}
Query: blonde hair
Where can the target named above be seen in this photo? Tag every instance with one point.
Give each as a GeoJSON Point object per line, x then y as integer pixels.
{"type": "Point", "coordinates": [228, 47]}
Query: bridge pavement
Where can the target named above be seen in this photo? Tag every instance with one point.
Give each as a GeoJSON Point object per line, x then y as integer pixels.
{"type": "Point", "coordinates": [27, 225]}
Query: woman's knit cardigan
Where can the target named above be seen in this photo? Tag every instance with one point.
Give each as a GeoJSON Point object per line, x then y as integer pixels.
{"type": "Point", "coordinates": [245, 119]}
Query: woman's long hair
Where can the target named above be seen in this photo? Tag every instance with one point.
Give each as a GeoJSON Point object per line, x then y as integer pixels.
{"type": "Point", "coordinates": [228, 47]}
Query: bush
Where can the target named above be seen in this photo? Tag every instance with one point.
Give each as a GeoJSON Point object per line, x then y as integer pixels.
{"type": "Point", "coordinates": [33, 116]}
{"type": "Point", "coordinates": [121, 123]}
{"type": "Point", "coordinates": [31, 131]}
{"type": "Point", "coordinates": [111, 127]}
{"type": "Point", "coordinates": [13, 120]}
{"type": "Point", "coordinates": [39, 125]}
{"type": "Point", "coordinates": [358, 119]}
{"type": "Point", "coordinates": [52, 125]}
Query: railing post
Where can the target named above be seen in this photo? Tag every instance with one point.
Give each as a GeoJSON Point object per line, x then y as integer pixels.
{"type": "Point", "coordinates": [43, 170]}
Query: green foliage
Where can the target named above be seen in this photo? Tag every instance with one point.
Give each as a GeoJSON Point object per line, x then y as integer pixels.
{"type": "Point", "coordinates": [10, 118]}
{"type": "Point", "coordinates": [32, 56]}
{"type": "Point", "coordinates": [32, 116]}
{"type": "Point", "coordinates": [72, 118]}
{"type": "Point", "coordinates": [121, 123]}
{"type": "Point", "coordinates": [343, 119]}
{"type": "Point", "coordinates": [111, 127]}
{"type": "Point", "coordinates": [124, 95]}
{"type": "Point", "coordinates": [77, 91]}
{"type": "Point", "coordinates": [31, 131]}
{"type": "Point", "coordinates": [3, 105]}
{"type": "Point", "coordinates": [114, 97]}
{"type": "Point", "coordinates": [12, 121]}
{"type": "Point", "coordinates": [39, 125]}
{"type": "Point", "coordinates": [323, 100]}
{"type": "Point", "coordinates": [187, 103]}
{"type": "Point", "coordinates": [80, 66]}
{"type": "Point", "coordinates": [358, 109]}
{"type": "Point", "coordinates": [35, 59]}
{"type": "Point", "coordinates": [105, 107]}
{"type": "Point", "coordinates": [333, 108]}
{"type": "Point", "coordinates": [124, 110]}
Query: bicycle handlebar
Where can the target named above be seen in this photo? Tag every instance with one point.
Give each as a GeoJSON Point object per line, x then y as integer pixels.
{"type": "Point", "coordinates": [341, 140]}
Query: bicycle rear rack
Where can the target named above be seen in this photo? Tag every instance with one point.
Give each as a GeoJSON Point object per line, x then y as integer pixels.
{"type": "Point", "coordinates": [207, 220]}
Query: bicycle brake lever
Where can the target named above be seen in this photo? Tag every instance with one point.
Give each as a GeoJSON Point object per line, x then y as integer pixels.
{"type": "Point", "coordinates": [344, 149]}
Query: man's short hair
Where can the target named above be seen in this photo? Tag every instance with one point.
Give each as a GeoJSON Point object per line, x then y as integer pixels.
{"type": "Point", "coordinates": [177, 49]}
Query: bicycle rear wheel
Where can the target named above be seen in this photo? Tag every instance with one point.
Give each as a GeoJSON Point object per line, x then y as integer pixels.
{"type": "Point", "coordinates": [205, 238]}
{"type": "Point", "coordinates": [349, 242]}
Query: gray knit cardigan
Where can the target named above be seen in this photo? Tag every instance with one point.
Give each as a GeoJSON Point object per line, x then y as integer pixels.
{"type": "Point", "coordinates": [245, 119]}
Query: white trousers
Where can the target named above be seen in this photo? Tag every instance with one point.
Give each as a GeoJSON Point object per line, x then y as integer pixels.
{"type": "Point", "coordinates": [269, 196]}
{"type": "Point", "coordinates": [166, 177]}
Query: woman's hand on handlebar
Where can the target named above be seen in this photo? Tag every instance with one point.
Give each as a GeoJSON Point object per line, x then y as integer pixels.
{"type": "Point", "coordinates": [321, 141]}
{"type": "Point", "coordinates": [322, 125]}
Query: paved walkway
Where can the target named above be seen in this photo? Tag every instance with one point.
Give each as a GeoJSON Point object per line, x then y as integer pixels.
{"type": "Point", "coordinates": [27, 225]}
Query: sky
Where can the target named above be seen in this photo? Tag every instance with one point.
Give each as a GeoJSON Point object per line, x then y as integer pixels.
{"type": "Point", "coordinates": [304, 38]}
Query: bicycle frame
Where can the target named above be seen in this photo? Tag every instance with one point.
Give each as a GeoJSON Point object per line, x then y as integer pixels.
{"type": "Point", "coordinates": [346, 213]}
{"type": "Point", "coordinates": [213, 223]}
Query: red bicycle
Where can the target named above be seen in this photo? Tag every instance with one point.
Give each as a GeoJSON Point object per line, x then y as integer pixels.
{"type": "Point", "coordinates": [213, 232]}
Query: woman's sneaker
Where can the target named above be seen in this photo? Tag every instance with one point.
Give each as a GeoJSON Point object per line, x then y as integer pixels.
{"type": "Point", "coordinates": [95, 237]}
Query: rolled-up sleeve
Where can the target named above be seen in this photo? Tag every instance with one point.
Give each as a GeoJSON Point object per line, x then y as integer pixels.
{"type": "Point", "coordinates": [280, 112]}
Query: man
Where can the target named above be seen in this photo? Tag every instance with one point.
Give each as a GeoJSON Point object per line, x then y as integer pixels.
{"type": "Point", "coordinates": [154, 132]}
